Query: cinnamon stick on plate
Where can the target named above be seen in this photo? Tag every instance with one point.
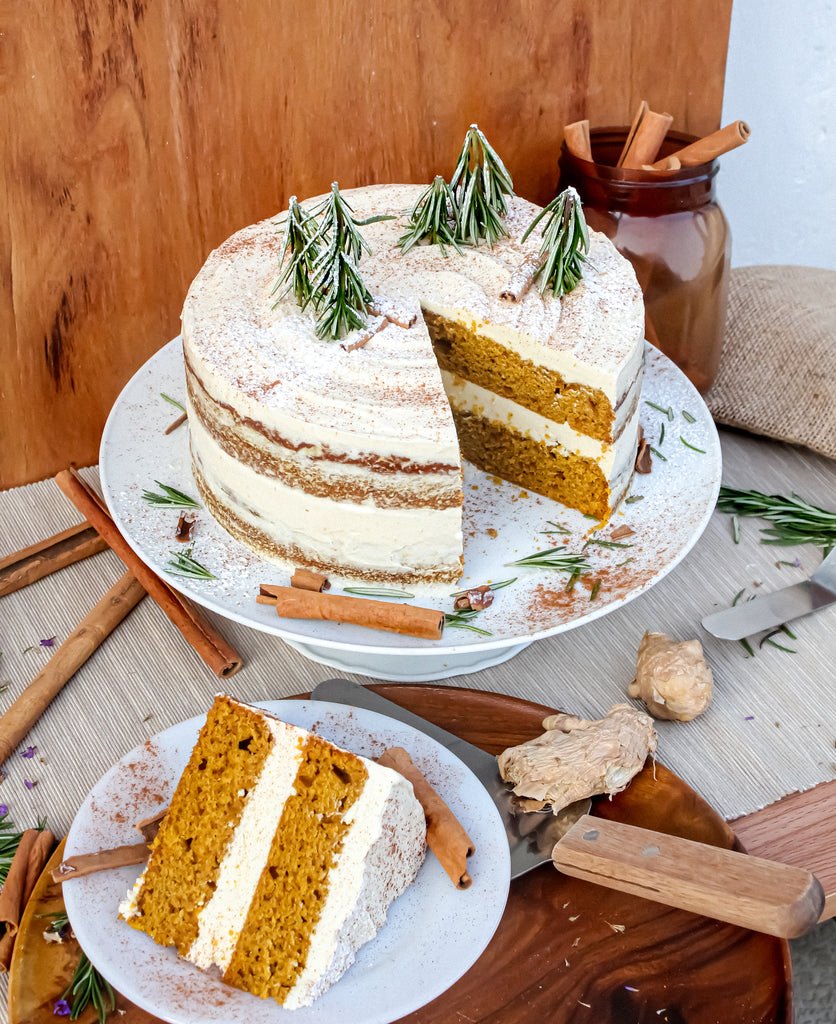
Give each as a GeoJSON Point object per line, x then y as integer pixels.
{"type": "Point", "coordinates": [103, 618]}
{"type": "Point", "coordinates": [445, 835]}
{"type": "Point", "coordinates": [210, 645]}
{"type": "Point", "coordinates": [47, 556]}
{"type": "Point", "coordinates": [304, 579]}
{"type": "Point", "coordinates": [291, 603]}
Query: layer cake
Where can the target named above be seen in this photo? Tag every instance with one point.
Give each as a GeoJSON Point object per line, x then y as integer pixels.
{"type": "Point", "coordinates": [345, 456]}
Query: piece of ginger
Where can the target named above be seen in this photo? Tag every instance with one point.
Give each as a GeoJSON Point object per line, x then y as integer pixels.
{"type": "Point", "coordinates": [672, 678]}
{"type": "Point", "coordinates": [576, 758]}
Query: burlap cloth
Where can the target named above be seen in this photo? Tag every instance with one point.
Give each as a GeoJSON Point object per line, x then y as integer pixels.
{"type": "Point", "coordinates": [778, 369]}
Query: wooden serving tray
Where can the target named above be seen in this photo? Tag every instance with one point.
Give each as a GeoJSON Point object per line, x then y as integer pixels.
{"type": "Point", "coordinates": [566, 951]}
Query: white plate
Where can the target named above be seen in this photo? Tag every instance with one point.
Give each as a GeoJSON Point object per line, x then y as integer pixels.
{"type": "Point", "coordinates": [433, 933]}
{"type": "Point", "coordinates": [501, 523]}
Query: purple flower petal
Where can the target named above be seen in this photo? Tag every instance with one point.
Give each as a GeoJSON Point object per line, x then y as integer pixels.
{"type": "Point", "coordinates": [4, 809]}
{"type": "Point", "coordinates": [62, 1008]}
{"type": "Point", "coordinates": [28, 784]}
{"type": "Point", "coordinates": [749, 718]}
{"type": "Point", "coordinates": [50, 642]}
{"type": "Point", "coordinates": [797, 562]}
{"type": "Point", "coordinates": [29, 752]}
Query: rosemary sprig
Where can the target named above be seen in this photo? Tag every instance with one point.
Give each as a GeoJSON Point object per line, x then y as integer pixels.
{"type": "Point", "coordinates": [172, 401]}
{"type": "Point", "coordinates": [459, 620]}
{"type": "Point", "coordinates": [554, 558]}
{"type": "Point", "coordinates": [433, 218]}
{"type": "Point", "coordinates": [479, 185]}
{"type": "Point", "coordinates": [796, 521]}
{"type": "Point", "coordinates": [170, 498]}
{"type": "Point", "coordinates": [491, 586]}
{"type": "Point", "coordinates": [300, 247]}
{"type": "Point", "coordinates": [89, 988]}
{"type": "Point", "coordinates": [182, 564]}
{"type": "Point", "coordinates": [377, 592]}
{"type": "Point", "coordinates": [565, 242]}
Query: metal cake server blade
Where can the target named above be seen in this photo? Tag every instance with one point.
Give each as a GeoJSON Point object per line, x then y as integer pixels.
{"type": "Point", "coordinates": [776, 608]}
{"type": "Point", "coordinates": [747, 891]}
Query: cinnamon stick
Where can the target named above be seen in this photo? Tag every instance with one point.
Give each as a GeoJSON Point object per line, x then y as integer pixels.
{"type": "Point", "coordinates": [27, 864]}
{"type": "Point", "coordinates": [223, 659]}
{"type": "Point", "coordinates": [522, 278]}
{"type": "Point", "coordinates": [445, 835]}
{"type": "Point", "coordinates": [646, 140]}
{"type": "Point", "coordinates": [181, 419]}
{"type": "Point", "coordinates": [150, 826]}
{"type": "Point", "coordinates": [577, 139]}
{"type": "Point", "coordinates": [631, 134]}
{"type": "Point", "coordinates": [87, 863]}
{"type": "Point", "coordinates": [90, 633]}
{"type": "Point", "coordinates": [291, 603]}
{"type": "Point", "coordinates": [714, 145]}
{"type": "Point", "coordinates": [304, 579]}
{"type": "Point", "coordinates": [47, 556]}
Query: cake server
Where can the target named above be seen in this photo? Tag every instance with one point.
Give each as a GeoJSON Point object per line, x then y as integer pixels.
{"type": "Point", "coordinates": [751, 892]}
{"type": "Point", "coordinates": [774, 609]}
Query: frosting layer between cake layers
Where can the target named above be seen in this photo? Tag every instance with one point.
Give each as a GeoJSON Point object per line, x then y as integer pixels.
{"type": "Point", "coordinates": [347, 459]}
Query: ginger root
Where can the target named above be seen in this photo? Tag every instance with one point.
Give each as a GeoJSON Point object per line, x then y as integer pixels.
{"type": "Point", "coordinates": [672, 678]}
{"type": "Point", "coordinates": [576, 759]}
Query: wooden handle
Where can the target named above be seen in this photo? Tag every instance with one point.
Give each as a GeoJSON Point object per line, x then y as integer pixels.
{"type": "Point", "coordinates": [763, 895]}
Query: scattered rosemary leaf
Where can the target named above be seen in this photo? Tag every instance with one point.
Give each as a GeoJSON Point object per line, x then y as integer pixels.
{"type": "Point", "coordinates": [182, 564]}
{"type": "Point", "coordinates": [738, 596]}
{"type": "Point", "coordinates": [607, 544]}
{"type": "Point", "coordinates": [786, 629]}
{"type": "Point", "coordinates": [554, 558]}
{"type": "Point", "coordinates": [171, 498]}
{"type": "Point", "coordinates": [658, 454]}
{"type": "Point", "coordinates": [596, 586]}
{"type": "Point", "coordinates": [633, 499]}
{"type": "Point", "coordinates": [744, 643]}
{"type": "Point", "coordinates": [573, 579]}
{"type": "Point", "coordinates": [458, 620]}
{"type": "Point", "coordinates": [693, 447]}
{"type": "Point", "coordinates": [735, 529]}
{"type": "Point", "coordinates": [666, 411]}
{"type": "Point", "coordinates": [556, 528]}
{"type": "Point", "coordinates": [377, 592]}
{"type": "Point", "coordinates": [780, 647]}
{"type": "Point", "coordinates": [491, 586]}
{"type": "Point", "coordinates": [172, 401]}
{"type": "Point", "coordinates": [625, 562]}
{"type": "Point", "coordinates": [686, 415]}
{"type": "Point", "coordinates": [662, 433]}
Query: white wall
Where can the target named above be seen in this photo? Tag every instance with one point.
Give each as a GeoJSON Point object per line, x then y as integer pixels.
{"type": "Point", "coordinates": [779, 190]}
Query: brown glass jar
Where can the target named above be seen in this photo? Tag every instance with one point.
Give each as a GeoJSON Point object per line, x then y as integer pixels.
{"type": "Point", "coordinates": [671, 228]}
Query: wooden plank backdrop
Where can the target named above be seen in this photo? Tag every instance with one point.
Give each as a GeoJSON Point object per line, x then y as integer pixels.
{"type": "Point", "coordinates": [138, 134]}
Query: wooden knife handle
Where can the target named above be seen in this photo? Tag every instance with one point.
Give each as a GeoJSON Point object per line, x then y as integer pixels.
{"type": "Point", "coordinates": [763, 895]}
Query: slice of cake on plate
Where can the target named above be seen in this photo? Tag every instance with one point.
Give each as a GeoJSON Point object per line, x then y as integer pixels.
{"type": "Point", "coordinates": [278, 857]}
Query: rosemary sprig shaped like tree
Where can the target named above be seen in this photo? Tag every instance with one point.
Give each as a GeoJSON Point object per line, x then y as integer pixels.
{"type": "Point", "coordinates": [324, 247]}
{"type": "Point", "coordinates": [479, 185]}
{"type": "Point", "coordinates": [433, 218]}
{"type": "Point", "coordinates": [300, 248]}
{"type": "Point", "coordinates": [565, 242]}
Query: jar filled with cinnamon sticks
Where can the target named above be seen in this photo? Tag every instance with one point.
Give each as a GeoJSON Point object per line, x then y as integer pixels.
{"type": "Point", "coordinates": [666, 220]}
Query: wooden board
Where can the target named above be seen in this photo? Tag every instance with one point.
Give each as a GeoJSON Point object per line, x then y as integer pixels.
{"type": "Point", "coordinates": [566, 951]}
{"type": "Point", "coordinates": [136, 137]}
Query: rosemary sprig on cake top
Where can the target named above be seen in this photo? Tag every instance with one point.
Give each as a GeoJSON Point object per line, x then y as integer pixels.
{"type": "Point", "coordinates": [322, 265]}
{"type": "Point", "coordinates": [479, 185]}
{"type": "Point", "coordinates": [565, 242]}
{"type": "Point", "coordinates": [433, 218]}
{"type": "Point", "coordinates": [300, 247]}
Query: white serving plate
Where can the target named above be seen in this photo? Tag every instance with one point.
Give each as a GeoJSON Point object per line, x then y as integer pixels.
{"type": "Point", "coordinates": [433, 933]}
{"type": "Point", "coordinates": [501, 523]}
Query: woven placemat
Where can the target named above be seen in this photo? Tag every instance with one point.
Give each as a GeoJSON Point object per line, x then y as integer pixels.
{"type": "Point", "coordinates": [778, 369]}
